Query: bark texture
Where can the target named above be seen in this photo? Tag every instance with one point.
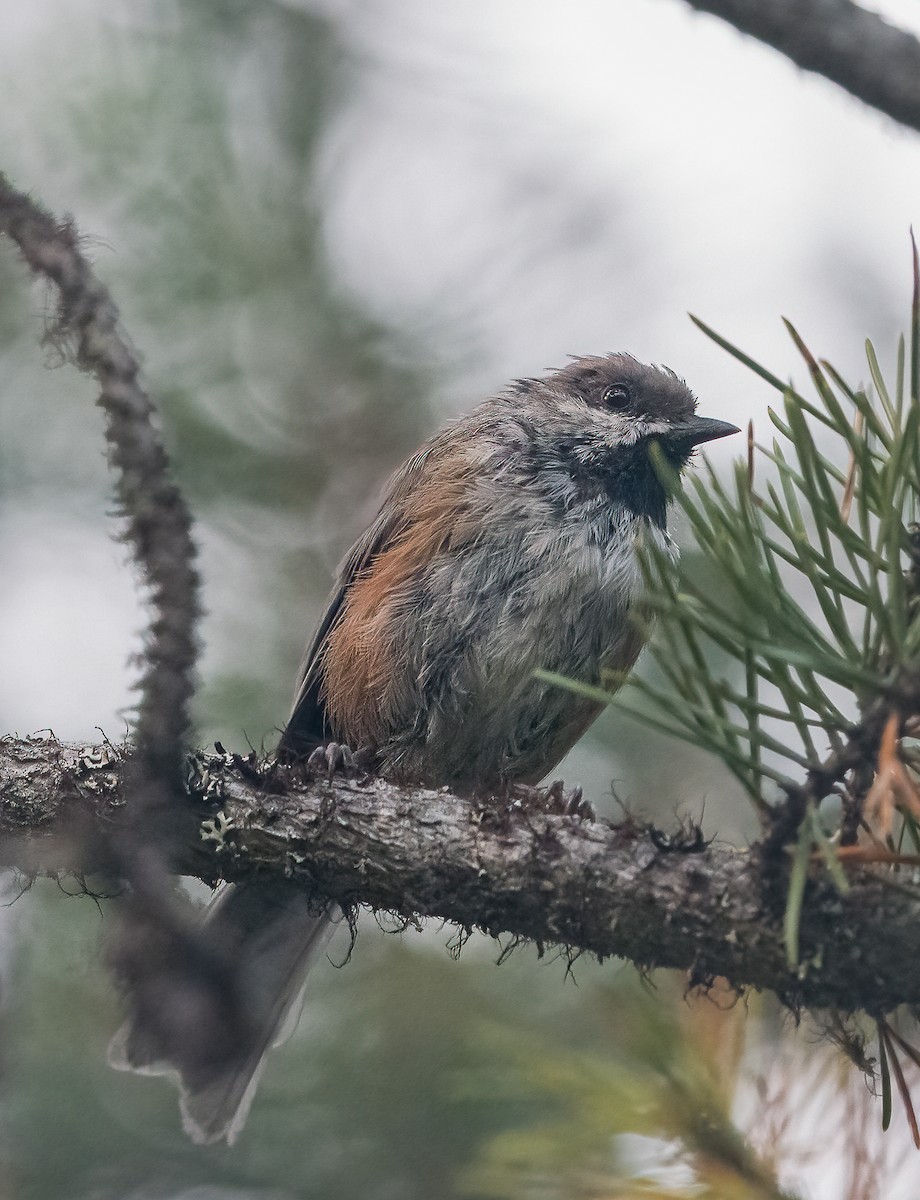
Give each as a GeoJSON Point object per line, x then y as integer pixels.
{"type": "Point", "coordinates": [608, 889]}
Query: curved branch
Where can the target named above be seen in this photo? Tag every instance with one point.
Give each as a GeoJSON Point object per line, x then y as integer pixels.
{"type": "Point", "coordinates": [873, 60]}
{"type": "Point", "coordinates": [157, 519]}
{"type": "Point", "coordinates": [606, 889]}
{"type": "Point", "coordinates": [154, 931]}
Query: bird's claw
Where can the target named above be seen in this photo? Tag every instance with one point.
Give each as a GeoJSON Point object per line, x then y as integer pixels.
{"type": "Point", "coordinates": [559, 802]}
{"type": "Point", "coordinates": [331, 758]}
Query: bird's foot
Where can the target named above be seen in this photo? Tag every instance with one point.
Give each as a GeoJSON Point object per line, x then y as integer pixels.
{"type": "Point", "coordinates": [331, 758]}
{"type": "Point", "coordinates": [555, 800]}
{"type": "Point", "coordinates": [337, 758]}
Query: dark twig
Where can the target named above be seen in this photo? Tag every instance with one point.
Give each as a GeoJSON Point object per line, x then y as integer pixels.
{"type": "Point", "coordinates": [157, 521]}
{"type": "Point", "coordinates": [857, 49]}
{"type": "Point", "coordinates": [156, 938]}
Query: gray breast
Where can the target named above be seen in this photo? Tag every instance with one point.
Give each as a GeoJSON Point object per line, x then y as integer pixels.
{"type": "Point", "coordinates": [484, 620]}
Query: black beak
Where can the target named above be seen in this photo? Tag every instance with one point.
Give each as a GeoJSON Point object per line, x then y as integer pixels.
{"type": "Point", "coordinates": [698, 430]}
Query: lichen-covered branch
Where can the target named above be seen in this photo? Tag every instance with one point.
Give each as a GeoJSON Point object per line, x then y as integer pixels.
{"type": "Point", "coordinates": [857, 49]}
{"type": "Point", "coordinates": [606, 889]}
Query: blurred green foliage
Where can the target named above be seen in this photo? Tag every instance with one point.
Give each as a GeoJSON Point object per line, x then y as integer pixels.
{"type": "Point", "coordinates": [412, 1075]}
{"type": "Point", "coordinates": [282, 403]}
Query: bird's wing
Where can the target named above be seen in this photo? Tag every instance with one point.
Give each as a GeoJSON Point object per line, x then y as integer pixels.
{"type": "Point", "coordinates": [308, 726]}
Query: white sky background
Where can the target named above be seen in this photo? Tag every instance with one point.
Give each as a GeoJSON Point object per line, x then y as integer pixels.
{"type": "Point", "coordinates": [692, 168]}
{"type": "Point", "coordinates": [511, 181]}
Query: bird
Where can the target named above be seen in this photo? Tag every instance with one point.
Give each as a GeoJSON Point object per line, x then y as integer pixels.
{"type": "Point", "coordinates": [508, 544]}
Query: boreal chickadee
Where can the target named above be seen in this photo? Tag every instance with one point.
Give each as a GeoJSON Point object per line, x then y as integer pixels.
{"type": "Point", "coordinates": [506, 544]}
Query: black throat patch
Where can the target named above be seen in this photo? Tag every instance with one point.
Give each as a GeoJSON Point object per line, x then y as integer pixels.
{"type": "Point", "coordinates": [631, 480]}
{"type": "Point", "coordinates": [627, 477]}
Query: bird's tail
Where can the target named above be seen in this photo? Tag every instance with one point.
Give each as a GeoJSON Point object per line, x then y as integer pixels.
{"type": "Point", "coordinates": [273, 943]}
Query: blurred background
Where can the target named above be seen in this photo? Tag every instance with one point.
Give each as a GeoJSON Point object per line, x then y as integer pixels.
{"type": "Point", "coordinates": [330, 225]}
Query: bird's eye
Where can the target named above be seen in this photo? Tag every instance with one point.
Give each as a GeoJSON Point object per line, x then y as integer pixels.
{"type": "Point", "coordinates": [617, 396]}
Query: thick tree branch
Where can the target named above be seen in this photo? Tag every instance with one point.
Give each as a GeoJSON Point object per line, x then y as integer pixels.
{"type": "Point", "coordinates": [873, 60]}
{"type": "Point", "coordinates": [609, 890]}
